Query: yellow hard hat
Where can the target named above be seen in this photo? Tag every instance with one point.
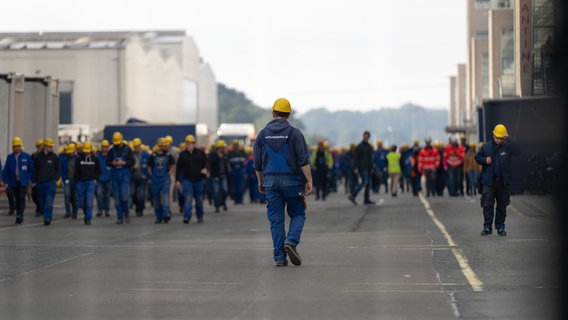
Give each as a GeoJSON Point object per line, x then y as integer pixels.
{"type": "Point", "coordinates": [117, 138]}
{"type": "Point", "coordinates": [105, 143]}
{"type": "Point", "coordinates": [48, 142]}
{"type": "Point", "coordinates": [415, 143]}
{"type": "Point", "coordinates": [220, 144]}
{"type": "Point", "coordinates": [379, 143]}
{"type": "Point", "coordinates": [189, 138]}
{"type": "Point", "coordinates": [16, 142]}
{"type": "Point", "coordinates": [136, 142]}
{"type": "Point", "coordinates": [78, 145]}
{"type": "Point", "coordinates": [38, 143]}
{"type": "Point", "coordinates": [282, 105]}
{"type": "Point", "coordinates": [235, 142]}
{"type": "Point", "coordinates": [472, 144]}
{"type": "Point", "coordinates": [87, 147]}
{"type": "Point", "coordinates": [169, 139]}
{"type": "Point", "coordinates": [71, 148]}
{"type": "Point", "coordinates": [162, 142]}
{"type": "Point", "coordinates": [326, 144]}
{"type": "Point", "coordinates": [500, 131]}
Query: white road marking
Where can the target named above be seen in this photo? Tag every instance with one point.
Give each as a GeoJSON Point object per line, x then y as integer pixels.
{"type": "Point", "coordinates": [466, 269]}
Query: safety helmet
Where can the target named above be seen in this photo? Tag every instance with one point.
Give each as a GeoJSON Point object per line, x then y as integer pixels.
{"type": "Point", "coordinates": [105, 143]}
{"type": "Point", "coordinates": [326, 144]}
{"type": "Point", "coordinates": [38, 143]}
{"type": "Point", "coordinates": [16, 142]}
{"type": "Point", "coordinates": [136, 142]}
{"type": "Point", "coordinates": [78, 145]}
{"type": "Point", "coordinates": [162, 142]}
{"type": "Point", "coordinates": [87, 147]}
{"type": "Point", "coordinates": [48, 142]}
{"type": "Point", "coordinates": [169, 139]}
{"type": "Point", "coordinates": [500, 131]}
{"type": "Point", "coordinates": [71, 148]}
{"type": "Point", "coordinates": [415, 143]}
{"type": "Point", "coordinates": [282, 105]}
{"type": "Point", "coordinates": [220, 144]}
{"type": "Point", "coordinates": [379, 143]}
{"type": "Point", "coordinates": [235, 142]}
{"type": "Point", "coordinates": [189, 138]}
{"type": "Point", "coordinates": [117, 138]}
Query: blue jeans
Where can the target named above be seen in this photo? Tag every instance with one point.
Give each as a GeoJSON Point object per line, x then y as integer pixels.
{"type": "Point", "coordinates": [70, 197]}
{"type": "Point", "coordinates": [191, 191]}
{"type": "Point", "coordinates": [161, 195]}
{"type": "Point", "coordinates": [103, 195]}
{"type": "Point", "coordinates": [138, 193]}
{"type": "Point", "coordinates": [472, 182]}
{"type": "Point", "coordinates": [86, 191]}
{"type": "Point", "coordinates": [454, 180]}
{"type": "Point", "coordinates": [237, 184]}
{"type": "Point", "coordinates": [365, 183]}
{"type": "Point", "coordinates": [121, 194]}
{"type": "Point", "coordinates": [284, 191]}
{"type": "Point", "coordinates": [46, 194]}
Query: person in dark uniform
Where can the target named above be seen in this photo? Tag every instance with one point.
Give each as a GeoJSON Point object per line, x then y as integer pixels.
{"type": "Point", "coordinates": [191, 170]}
{"type": "Point", "coordinates": [495, 158]}
{"type": "Point", "coordinates": [87, 172]}
{"type": "Point", "coordinates": [46, 171]}
{"type": "Point", "coordinates": [16, 174]}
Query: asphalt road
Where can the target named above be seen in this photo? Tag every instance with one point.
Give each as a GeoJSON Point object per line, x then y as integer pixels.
{"type": "Point", "coordinates": [404, 258]}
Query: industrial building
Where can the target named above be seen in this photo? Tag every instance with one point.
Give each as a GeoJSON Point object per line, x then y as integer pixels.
{"type": "Point", "coordinates": [109, 77]}
{"type": "Point", "coordinates": [508, 55]}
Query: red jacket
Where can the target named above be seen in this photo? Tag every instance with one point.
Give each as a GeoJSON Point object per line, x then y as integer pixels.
{"type": "Point", "coordinates": [453, 156]}
{"type": "Point", "coordinates": [428, 159]}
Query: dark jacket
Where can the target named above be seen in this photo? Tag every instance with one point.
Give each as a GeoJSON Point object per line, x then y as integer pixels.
{"type": "Point", "coordinates": [189, 165]}
{"type": "Point", "coordinates": [502, 153]}
{"type": "Point", "coordinates": [87, 167]}
{"type": "Point", "coordinates": [363, 158]}
{"type": "Point", "coordinates": [218, 165]}
{"type": "Point", "coordinates": [276, 134]}
{"type": "Point", "coordinates": [46, 168]}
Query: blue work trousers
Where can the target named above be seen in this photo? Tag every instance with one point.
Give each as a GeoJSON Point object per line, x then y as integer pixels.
{"type": "Point", "coordinates": [237, 184]}
{"type": "Point", "coordinates": [86, 194]}
{"type": "Point", "coordinates": [138, 193]}
{"type": "Point", "coordinates": [103, 195]}
{"type": "Point", "coordinates": [46, 194]}
{"type": "Point", "coordinates": [220, 190]}
{"type": "Point", "coordinates": [191, 191]}
{"type": "Point", "coordinates": [284, 191]}
{"type": "Point", "coordinates": [161, 196]}
{"type": "Point", "coordinates": [70, 198]}
{"type": "Point", "coordinates": [121, 194]}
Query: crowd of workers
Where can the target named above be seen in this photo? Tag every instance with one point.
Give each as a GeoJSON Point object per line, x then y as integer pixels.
{"type": "Point", "coordinates": [134, 174]}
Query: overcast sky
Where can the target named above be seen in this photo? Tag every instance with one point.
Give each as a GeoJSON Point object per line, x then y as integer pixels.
{"type": "Point", "coordinates": [341, 54]}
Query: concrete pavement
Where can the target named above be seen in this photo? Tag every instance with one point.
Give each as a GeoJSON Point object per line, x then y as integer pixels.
{"type": "Point", "coordinates": [388, 261]}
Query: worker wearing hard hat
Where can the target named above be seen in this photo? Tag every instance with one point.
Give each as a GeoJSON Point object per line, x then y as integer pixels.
{"type": "Point", "coordinates": [46, 172]}
{"type": "Point", "coordinates": [282, 166]}
{"type": "Point", "coordinates": [87, 171]}
{"type": "Point", "coordinates": [17, 174]}
{"type": "Point", "coordinates": [120, 160]}
{"type": "Point", "coordinates": [496, 173]}
{"type": "Point", "coordinates": [140, 175]}
{"type": "Point", "coordinates": [39, 149]}
{"type": "Point", "coordinates": [71, 199]}
{"type": "Point", "coordinates": [237, 158]}
{"type": "Point", "coordinates": [381, 168]}
{"type": "Point", "coordinates": [322, 164]}
{"type": "Point", "coordinates": [191, 169]}
{"type": "Point", "coordinates": [218, 173]}
{"type": "Point", "coordinates": [160, 167]}
{"type": "Point", "coordinates": [102, 190]}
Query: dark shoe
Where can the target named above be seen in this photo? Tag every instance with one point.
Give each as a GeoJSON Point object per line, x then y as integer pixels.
{"type": "Point", "coordinates": [369, 202]}
{"type": "Point", "coordinates": [216, 210]}
{"type": "Point", "coordinates": [501, 232]}
{"type": "Point", "coordinates": [88, 222]}
{"type": "Point", "coordinates": [352, 199]}
{"type": "Point", "coordinates": [67, 215]}
{"type": "Point", "coordinates": [186, 220]}
{"type": "Point", "coordinates": [47, 222]}
{"type": "Point", "coordinates": [167, 219]}
{"type": "Point", "coordinates": [74, 217]}
{"type": "Point", "coordinates": [11, 212]}
{"type": "Point", "coordinates": [199, 220]}
{"type": "Point", "coordinates": [127, 219]}
{"type": "Point", "coordinates": [282, 263]}
{"type": "Point", "coordinates": [119, 222]}
{"type": "Point", "coordinates": [158, 221]}
{"type": "Point", "coordinates": [107, 214]}
{"type": "Point", "coordinates": [293, 255]}
{"type": "Point", "coordinates": [99, 214]}
{"type": "Point", "coordinates": [486, 231]}
{"type": "Point", "coordinates": [224, 207]}
{"type": "Point", "coordinates": [19, 221]}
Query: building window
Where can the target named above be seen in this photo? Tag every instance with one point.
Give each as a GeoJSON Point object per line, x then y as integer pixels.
{"type": "Point", "coordinates": [482, 4]}
{"type": "Point", "coordinates": [485, 76]}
